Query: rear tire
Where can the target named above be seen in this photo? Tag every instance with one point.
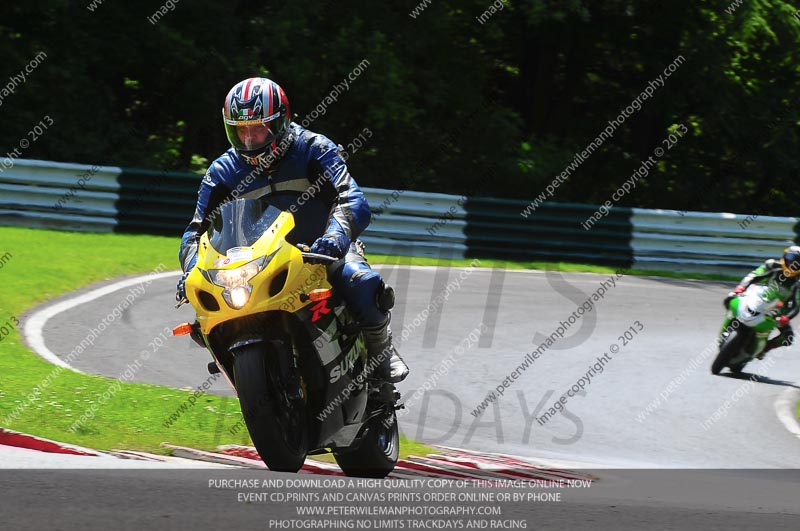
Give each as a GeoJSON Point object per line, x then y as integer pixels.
{"type": "Point", "coordinates": [278, 427]}
{"type": "Point", "coordinates": [376, 455]}
{"type": "Point", "coordinates": [727, 351]}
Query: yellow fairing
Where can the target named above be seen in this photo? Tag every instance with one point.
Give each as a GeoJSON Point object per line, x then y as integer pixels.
{"type": "Point", "coordinates": [269, 292]}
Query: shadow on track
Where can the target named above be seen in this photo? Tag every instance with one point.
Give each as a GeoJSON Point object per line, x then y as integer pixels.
{"type": "Point", "coordinates": [758, 378]}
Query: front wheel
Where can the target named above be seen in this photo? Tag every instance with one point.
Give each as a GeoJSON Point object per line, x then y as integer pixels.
{"type": "Point", "coordinates": [277, 425]}
{"type": "Point", "coordinates": [729, 349]}
{"type": "Point", "coordinates": [376, 455]}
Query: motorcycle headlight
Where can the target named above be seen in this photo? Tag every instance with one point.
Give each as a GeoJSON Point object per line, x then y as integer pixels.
{"type": "Point", "coordinates": [237, 297]}
{"type": "Point", "coordinates": [238, 277]}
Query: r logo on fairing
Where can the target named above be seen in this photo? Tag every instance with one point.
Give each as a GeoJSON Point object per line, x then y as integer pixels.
{"type": "Point", "coordinates": [320, 309]}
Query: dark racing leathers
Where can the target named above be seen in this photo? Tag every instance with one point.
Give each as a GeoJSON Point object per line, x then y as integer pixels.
{"type": "Point", "coordinates": [312, 181]}
{"type": "Point", "coordinates": [771, 272]}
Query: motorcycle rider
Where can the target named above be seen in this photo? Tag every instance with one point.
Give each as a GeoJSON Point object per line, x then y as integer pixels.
{"type": "Point", "coordinates": [784, 275]}
{"type": "Point", "coordinates": [303, 172]}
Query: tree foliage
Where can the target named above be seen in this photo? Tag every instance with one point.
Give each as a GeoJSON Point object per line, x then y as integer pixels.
{"type": "Point", "coordinates": [495, 107]}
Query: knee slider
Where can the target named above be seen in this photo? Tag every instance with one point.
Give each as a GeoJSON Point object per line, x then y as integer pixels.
{"type": "Point", "coordinates": [385, 297]}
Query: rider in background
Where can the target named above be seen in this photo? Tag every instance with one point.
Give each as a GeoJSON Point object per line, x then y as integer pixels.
{"type": "Point", "coordinates": [304, 173]}
{"type": "Point", "coordinates": [783, 275]}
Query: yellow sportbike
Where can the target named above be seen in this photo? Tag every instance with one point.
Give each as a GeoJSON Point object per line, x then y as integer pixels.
{"type": "Point", "coordinates": [288, 346]}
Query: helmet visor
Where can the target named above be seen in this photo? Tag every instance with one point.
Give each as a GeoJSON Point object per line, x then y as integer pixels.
{"type": "Point", "coordinates": [250, 135]}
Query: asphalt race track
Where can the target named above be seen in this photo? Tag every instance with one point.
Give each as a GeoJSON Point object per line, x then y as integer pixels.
{"type": "Point", "coordinates": [696, 420]}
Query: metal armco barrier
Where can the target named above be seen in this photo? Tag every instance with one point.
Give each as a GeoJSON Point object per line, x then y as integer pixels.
{"type": "Point", "coordinates": [666, 240]}
{"type": "Point", "coordinates": [405, 223]}
{"type": "Point", "coordinates": [105, 198]}
{"type": "Point", "coordinates": [153, 202]}
{"type": "Point", "coordinates": [553, 233]}
{"type": "Point", "coordinates": [36, 193]}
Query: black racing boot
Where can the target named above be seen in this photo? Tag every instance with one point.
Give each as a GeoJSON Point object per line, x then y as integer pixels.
{"type": "Point", "coordinates": [771, 344]}
{"type": "Point", "coordinates": [775, 342]}
{"type": "Point", "coordinates": [390, 365]}
{"type": "Point", "coordinates": [785, 338]}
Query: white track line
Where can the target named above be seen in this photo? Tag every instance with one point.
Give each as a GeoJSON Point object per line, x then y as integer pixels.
{"type": "Point", "coordinates": [34, 325]}
{"type": "Point", "coordinates": [786, 408]}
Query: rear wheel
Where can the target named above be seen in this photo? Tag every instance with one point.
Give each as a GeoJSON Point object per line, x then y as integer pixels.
{"type": "Point", "coordinates": [276, 421]}
{"type": "Point", "coordinates": [376, 455]}
{"type": "Point", "coordinates": [730, 348]}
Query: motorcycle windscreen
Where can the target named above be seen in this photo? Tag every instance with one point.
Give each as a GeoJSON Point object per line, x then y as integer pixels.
{"type": "Point", "coordinates": [241, 223]}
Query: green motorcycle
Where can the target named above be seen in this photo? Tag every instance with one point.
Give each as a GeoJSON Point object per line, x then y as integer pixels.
{"type": "Point", "coordinates": [752, 316]}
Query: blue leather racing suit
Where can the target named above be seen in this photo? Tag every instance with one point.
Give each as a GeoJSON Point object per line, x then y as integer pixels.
{"type": "Point", "coordinates": [311, 180]}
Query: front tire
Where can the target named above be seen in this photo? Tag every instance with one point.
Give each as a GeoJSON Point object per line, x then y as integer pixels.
{"type": "Point", "coordinates": [376, 455]}
{"type": "Point", "coordinates": [728, 350]}
{"type": "Point", "coordinates": [278, 426]}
